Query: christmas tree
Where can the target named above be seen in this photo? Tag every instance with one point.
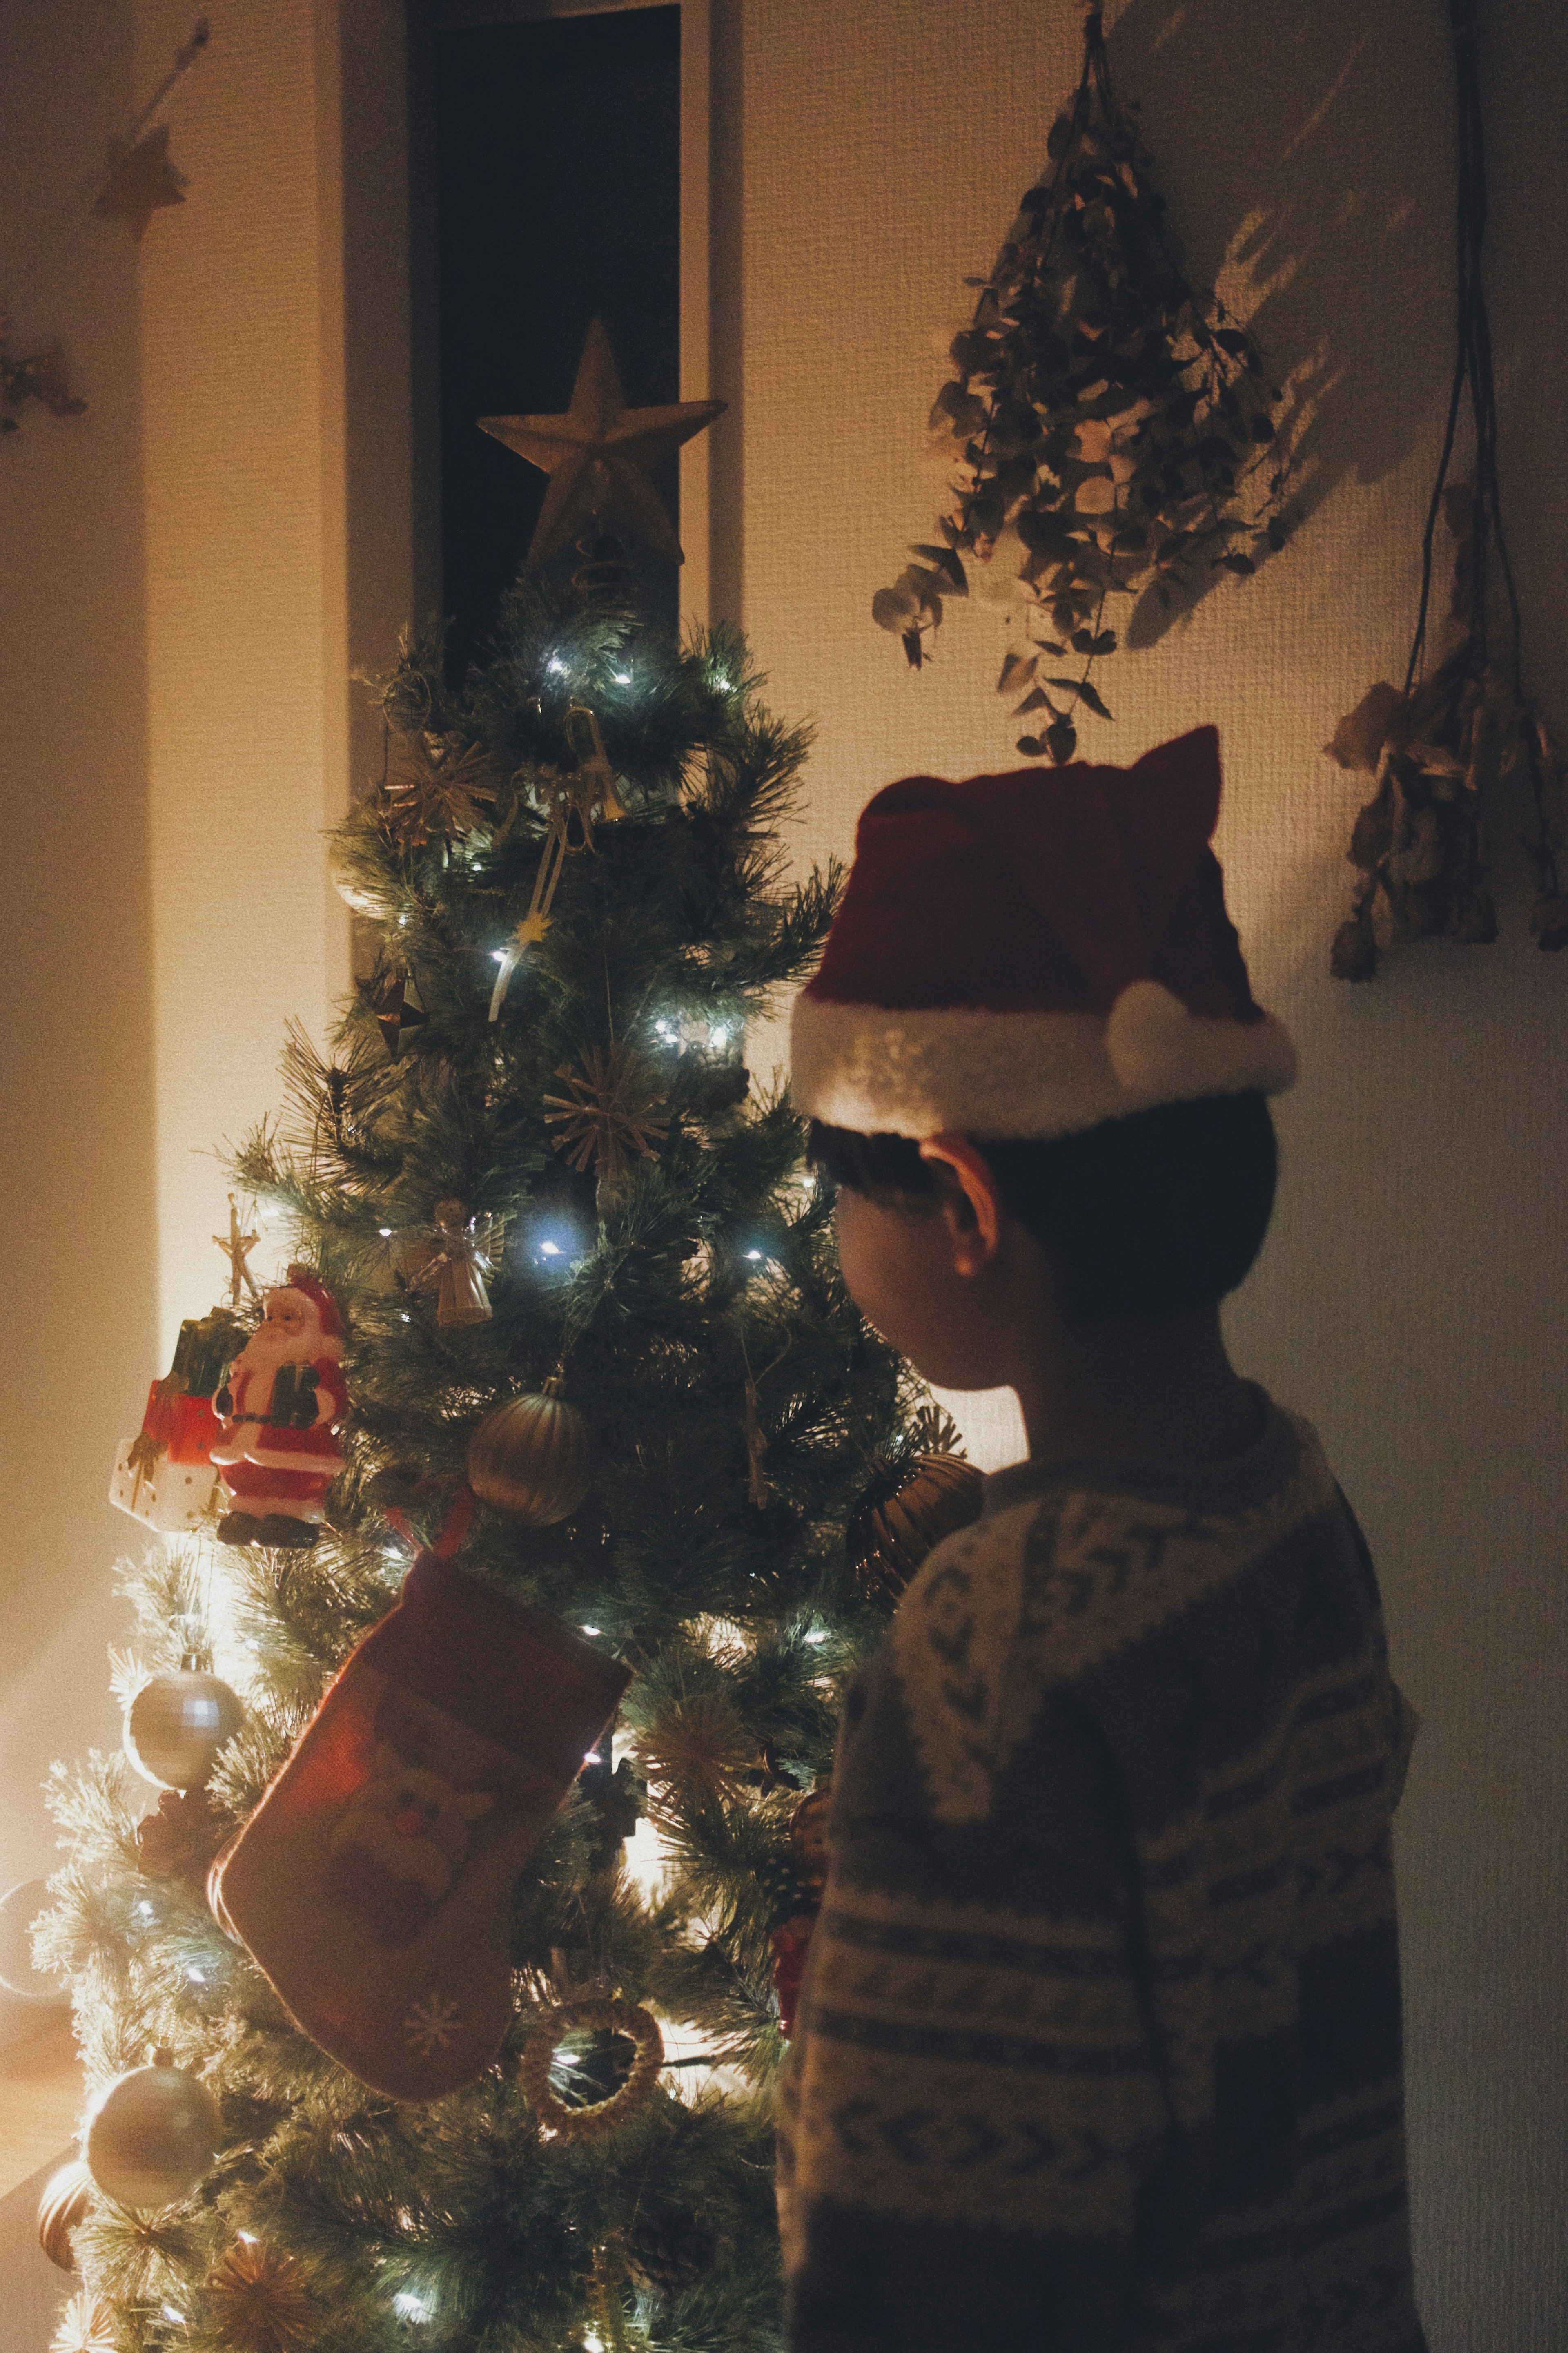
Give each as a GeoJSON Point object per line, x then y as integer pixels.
{"type": "Point", "coordinates": [578, 1263]}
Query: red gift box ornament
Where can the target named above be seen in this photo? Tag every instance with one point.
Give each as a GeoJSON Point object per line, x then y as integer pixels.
{"type": "Point", "coordinates": [164, 1476]}
{"type": "Point", "coordinates": [279, 1409]}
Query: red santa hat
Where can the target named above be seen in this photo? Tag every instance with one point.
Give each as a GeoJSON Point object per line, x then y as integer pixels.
{"type": "Point", "coordinates": [299, 1278]}
{"type": "Point", "coordinates": [1030, 954]}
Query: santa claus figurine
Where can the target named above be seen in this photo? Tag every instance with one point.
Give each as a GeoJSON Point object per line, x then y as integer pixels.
{"type": "Point", "coordinates": [280, 1409]}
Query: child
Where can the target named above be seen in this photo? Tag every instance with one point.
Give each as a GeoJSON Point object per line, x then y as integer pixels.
{"type": "Point", "coordinates": [1101, 2038]}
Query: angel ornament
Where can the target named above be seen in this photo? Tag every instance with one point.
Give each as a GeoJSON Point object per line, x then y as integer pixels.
{"type": "Point", "coordinates": [451, 1256]}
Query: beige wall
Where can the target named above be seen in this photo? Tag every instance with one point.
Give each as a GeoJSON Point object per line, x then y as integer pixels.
{"type": "Point", "coordinates": [1412, 1296]}
{"type": "Point", "coordinates": [200, 555]}
{"type": "Point", "coordinates": [172, 648]}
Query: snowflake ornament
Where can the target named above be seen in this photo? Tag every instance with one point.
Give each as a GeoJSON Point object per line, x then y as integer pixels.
{"type": "Point", "coordinates": [431, 2024]}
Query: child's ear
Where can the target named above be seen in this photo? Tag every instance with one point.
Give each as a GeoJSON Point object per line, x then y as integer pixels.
{"type": "Point", "coordinates": [972, 1206]}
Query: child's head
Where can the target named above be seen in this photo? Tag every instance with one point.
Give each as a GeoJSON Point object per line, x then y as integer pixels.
{"type": "Point", "coordinates": [1033, 1059]}
{"type": "Point", "coordinates": [1139, 1221]}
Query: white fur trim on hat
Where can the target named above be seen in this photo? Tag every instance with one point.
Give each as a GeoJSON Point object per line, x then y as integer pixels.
{"type": "Point", "coordinates": [885, 1071]}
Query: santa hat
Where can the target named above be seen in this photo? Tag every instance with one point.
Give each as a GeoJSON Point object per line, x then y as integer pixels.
{"type": "Point", "coordinates": [299, 1278]}
{"type": "Point", "coordinates": [1030, 954]}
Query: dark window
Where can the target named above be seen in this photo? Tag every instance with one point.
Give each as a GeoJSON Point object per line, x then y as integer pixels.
{"type": "Point", "coordinates": [558, 172]}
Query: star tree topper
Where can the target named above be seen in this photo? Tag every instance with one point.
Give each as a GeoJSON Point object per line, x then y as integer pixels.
{"type": "Point", "coordinates": [598, 454]}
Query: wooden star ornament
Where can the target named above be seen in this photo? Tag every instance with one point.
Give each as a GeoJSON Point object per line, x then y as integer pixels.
{"type": "Point", "coordinates": [598, 455]}
{"type": "Point", "coordinates": [141, 183]}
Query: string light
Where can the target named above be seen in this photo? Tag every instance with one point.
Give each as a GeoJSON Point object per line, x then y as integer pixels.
{"type": "Point", "coordinates": [591, 1629]}
{"type": "Point", "coordinates": [622, 677]}
{"type": "Point", "coordinates": [557, 665]}
{"type": "Point", "coordinates": [409, 2307]}
{"type": "Point", "coordinates": [550, 1249]}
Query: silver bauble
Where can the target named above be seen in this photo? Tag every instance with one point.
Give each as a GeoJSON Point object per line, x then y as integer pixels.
{"type": "Point", "coordinates": [151, 2135]}
{"type": "Point", "coordinates": [175, 1726]}
{"type": "Point", "coordinates": [18, 1910]}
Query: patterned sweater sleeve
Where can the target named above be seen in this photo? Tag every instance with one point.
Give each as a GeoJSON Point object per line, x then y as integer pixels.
{"type": "Point", "coordinates": [972, 2116]}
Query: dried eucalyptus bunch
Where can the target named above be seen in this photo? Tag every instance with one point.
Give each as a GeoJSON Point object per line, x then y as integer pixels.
{"type": "Point", "coordinates": [1108, 426]}
{"type": "Point", "coordinates": [1439, 748]}
{"type": "Point", "coordinates": [1437, 753]}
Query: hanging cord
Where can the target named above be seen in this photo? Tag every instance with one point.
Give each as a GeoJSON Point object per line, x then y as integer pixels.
{"type": "Point", "coordinates": [1472, 367]}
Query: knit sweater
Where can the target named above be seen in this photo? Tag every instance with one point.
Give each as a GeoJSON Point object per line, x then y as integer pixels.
{"type": "Point", "coordinates": [1100, 2046]}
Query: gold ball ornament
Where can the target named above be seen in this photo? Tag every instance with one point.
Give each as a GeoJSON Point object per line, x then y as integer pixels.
{"type": "Point", "coordinates": [532, 1457]}
{"type": "Point", "coordinates": [176, 1725]}
{"type": "Point", "coordinates": [151, 2135]}
{"type": "Point", "coordinates": [640, 2027]}
{"type": "Point", "coordinates": [67, 2195]}
{"type": "Point", "coordinates": [893, 1531]}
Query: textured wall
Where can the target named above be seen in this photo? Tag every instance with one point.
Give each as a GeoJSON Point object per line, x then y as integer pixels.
{"type": "Point", "coordinates": [77, 1079]}
{"type": "Point", "coordinates": [174, 686]}
{"type": "Point", "coordinates": [1412, 1296]}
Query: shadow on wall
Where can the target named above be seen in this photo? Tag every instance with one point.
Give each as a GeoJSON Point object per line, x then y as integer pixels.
{"type": "Point", "coordinates": [1310, 170]}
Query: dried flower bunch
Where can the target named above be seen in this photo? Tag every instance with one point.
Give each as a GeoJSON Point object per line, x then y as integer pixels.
{"type": "Point", "coordinates": [1110, 426]}
{"type": "Point", "coordinates": [1437, 753]}
{"type": "Point", "coordinates": [1439, 748]}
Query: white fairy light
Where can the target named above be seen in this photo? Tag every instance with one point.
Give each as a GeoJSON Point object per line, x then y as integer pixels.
{"type": "Point", "coordinates": [550, 1249]}
{"type": "Point", "coordinates": [719, 1035]}
{"type": "Point", "coordinates": [410, 2306]}
{"type": "Point", "coordinates": [753, 1253]}
{"type": "Point", "coordinates": [499, 956]}
{"type": "Point", "coordinates": [557, 665]}
{"type": "Point", "coordinates": [591, 1629]}
{"type": "Point", "coordinates": [622, 677]}
{"type": "Point", "coordinates": [384, 1231]}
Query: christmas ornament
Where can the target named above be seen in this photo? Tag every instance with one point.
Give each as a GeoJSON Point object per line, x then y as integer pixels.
{"type": "Point", "coordinates": [179, 1839]}
{"type": "Point", "coordinates": [20, 1909]}
{"type": "Point", "coordinates": [151, 2135]}
{"type": "Point", "coordinates": [610, 1112]}
{"type": "Point", "coordinates": [435, 787]}
{"type": "Point", "coordinates": [451, 1256]}
{"type": "Point", "coordinates": [68, 2193]}
{"type": "Point", "coordinates": [790, 1940]}
{"type": "Point", "coordinates": [237, 1248]}
{"type": "Point", "coordinates": [87, 2325]}
{"type": "Point", "coordinates": [900, 1523]}
{"type": "Point", "coordinates": [279, 1409]}
{"type": "Point", "coordinates": [176, 1725]}
{"type": "Point", "coordinates": [1108, 424]}
{"type": "Point", "coordinates": [387, 996]}
{"type": "Point", "coordinates": [570, 802]}
{"type": "Point", "coordinates": [373, 1883]}
{"type": "Point", "coordinates": [598, 455]}
{"type": "Point", "coordinates": [256, 2300]}
{"type": "Point", "coordinates": [532, 1457]}
{"type": "Point", "coordinates": [601, 2116]}
{"type": "Point", "coordinates": [41, 379]}
{"type": "Point", "coordinates": [164, 1476]}
{"type": "Point", "coordinates": [141, 183]}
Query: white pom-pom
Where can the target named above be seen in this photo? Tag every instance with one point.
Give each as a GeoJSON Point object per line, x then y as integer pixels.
{"type": "Point", "coordinates": [1162, 1052]}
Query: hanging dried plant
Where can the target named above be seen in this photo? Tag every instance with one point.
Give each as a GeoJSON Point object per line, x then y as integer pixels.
{"type": "Point", "coordinates": [1439, 748]}
{"type": "Point", "coordinates": [1110, 426]}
